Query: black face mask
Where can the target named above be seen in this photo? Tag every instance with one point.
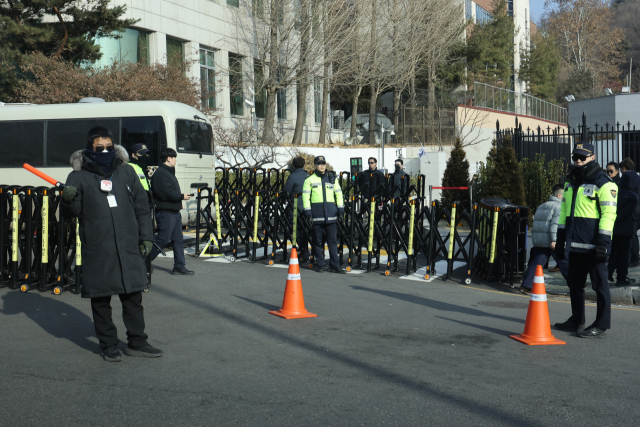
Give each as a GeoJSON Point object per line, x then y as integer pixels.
{"type": "Point", "coordinates": [398, 168]}
{"type": "Point", "coordinates": [104, 159]}
{"type": "Point", "coordinates": [143, 160]}
{"type": "Point", "coordinates": [581, 172]}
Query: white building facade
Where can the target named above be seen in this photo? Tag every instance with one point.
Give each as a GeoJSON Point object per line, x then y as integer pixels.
{"type": "Point", "coordinates": [202, 32]}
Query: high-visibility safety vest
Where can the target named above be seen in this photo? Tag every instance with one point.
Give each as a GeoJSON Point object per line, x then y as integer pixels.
{"type": "Point", "coordinates": [588, 212]}
{"type": "Point", "coordinates": [322, 196]}
{"type": "Point", "coordinates": [143, 179]}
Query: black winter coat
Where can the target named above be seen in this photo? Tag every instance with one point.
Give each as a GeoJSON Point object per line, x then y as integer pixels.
{"type": "Point", "coordinates": [370, 183]}
{"type": "Point", "coordinates": [625, 224]}
{"type": "Point", "coordinates": [397, 182]}
{"type": "Point", "coordinates": [293, 186]}
{"type": "Point", "coordinates": [166, 190]}
{"type": "Point", "coordinates": [110, 236]}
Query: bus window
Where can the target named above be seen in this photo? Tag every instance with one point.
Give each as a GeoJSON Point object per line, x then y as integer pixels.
{"type": "Point", "coordinates": [194, 137]}
{"type": "Point", "coordinates": [144, 130]}
{"type": "Point", "coordinates": [64, 137]}
{"type": "Point", "coordinates": [21, 142]}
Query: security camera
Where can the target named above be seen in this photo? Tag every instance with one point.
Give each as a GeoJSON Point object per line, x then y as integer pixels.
{"type": "Point", "coordinates": [249, 103]}
{"type": "Point", "coordinates": [570, 98]}
{"type": "Point", "coordinates": [608, 91]}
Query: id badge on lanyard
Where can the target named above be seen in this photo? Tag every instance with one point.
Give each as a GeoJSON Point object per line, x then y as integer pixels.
{"type": "Point", "coordinates": [106, 186]}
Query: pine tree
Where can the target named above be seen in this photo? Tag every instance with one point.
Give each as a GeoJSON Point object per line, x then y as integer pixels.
{"type": "Point", "coordinates": [490, 47]}
{"type": "Point", "coordinates": [506, 178]}
{"type": "Point", "coordinates": [68, 32]}
{"type": "Point", "coordinates": [539, 66]}
{"type": "Point", "coordinates": [456, 174]}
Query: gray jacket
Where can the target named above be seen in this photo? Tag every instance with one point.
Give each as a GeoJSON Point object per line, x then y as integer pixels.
{"type": "Point", "coordinates": [545, 223]}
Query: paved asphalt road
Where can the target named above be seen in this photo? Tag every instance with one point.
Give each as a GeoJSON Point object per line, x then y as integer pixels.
{"type": "Point", "coordinates": [382, 351]}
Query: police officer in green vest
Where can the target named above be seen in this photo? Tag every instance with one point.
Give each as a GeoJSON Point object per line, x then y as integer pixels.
{"type": "Point", "coordinates": [323, 204]}
{"type": "Point", "coordinates": [587, 215]}
{"type": "Point", "coordinates": [139, 160]}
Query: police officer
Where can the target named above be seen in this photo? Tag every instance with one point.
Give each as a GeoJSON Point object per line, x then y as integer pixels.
{"type": "Point", "coordinates": [587, 216]}
{"type": "Point", "coordinates": [293, 186]}
{"type": "Point", "coordinates": [323, 203]}
{"type": "Point", "coordinates": [139, 161]}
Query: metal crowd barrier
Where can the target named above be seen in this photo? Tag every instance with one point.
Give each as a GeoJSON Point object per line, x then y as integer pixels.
{"type": "Point", "coordinates": [502, 240]}
{"type": "Point", "coordinates": [40, 249]}
{"type": "Point", "coordinates": [249, 215]}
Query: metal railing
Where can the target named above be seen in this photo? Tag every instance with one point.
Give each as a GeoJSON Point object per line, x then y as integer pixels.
{"type": "Point", "coordinates": [495, 98]}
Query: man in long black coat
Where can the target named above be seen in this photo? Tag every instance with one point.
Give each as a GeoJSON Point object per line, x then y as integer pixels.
{"type": "Point", "coordinates": [115, 228]}
{"type": "Point", "coordinates": [372, 182]}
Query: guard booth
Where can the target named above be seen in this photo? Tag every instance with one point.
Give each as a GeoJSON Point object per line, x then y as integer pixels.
{"type": "Point", "coordinates": [356, 165]}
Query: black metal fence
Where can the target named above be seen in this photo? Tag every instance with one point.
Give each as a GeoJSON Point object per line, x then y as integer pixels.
{"type": "Point", "coordinates": [611, 142]}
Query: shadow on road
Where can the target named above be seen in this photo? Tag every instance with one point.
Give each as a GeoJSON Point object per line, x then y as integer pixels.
{"type": "Point", "coordinates": [259, 303]}
{"type": "Point", "coordinates": [490, 413]}
{"type": "Point", "coordinates": [500, 332]}
{"type": "Point", "coordinates": [55, 317]}
{"type": "Point", "coordinates": [437, 305]}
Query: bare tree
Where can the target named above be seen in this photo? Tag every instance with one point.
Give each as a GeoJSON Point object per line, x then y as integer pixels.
{"type": "Point", "coordinates": [283, 38]}
{"type": "Point", "coordinates": [589, 42]}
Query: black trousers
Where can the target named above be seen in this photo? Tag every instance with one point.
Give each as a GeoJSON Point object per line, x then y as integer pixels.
{"type": "Point", "coordinates": [619, 259]}
{"type": "Point", "coordinates": [634, 249]}
{"type": "Point", "coordinates": [332, 242]}
{"type": "Point", "coordinates": [132, 315]}
{"type": "Point", "coordinates": [581, 264]}
{"type": "Point", "coordinates": [301, 239]}
{"type": "Point", "coordinates": [170, 231]}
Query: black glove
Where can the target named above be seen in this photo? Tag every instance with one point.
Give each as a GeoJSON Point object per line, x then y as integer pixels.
{"type": "Point", "coordinates": [601, 252]}
{"type": "Point", "coordinates": [68, 194]}
{"type": "Point", "coordinates": [145, 247]}
{"type": "Point", "coordinates": [307, 214]}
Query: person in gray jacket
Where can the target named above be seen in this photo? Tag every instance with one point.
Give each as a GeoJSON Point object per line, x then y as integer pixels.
{"type": "Point", "coordinates": [543, 234]}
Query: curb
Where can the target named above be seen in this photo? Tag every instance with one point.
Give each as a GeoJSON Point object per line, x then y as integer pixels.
{"type": "Point", "coordinates": [624, 295]}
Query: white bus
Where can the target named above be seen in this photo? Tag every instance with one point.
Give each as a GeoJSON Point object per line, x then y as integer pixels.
{"type": "Point", "coordinates": [45, 136]}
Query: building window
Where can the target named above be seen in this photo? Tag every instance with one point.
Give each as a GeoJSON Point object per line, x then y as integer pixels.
{"type": "Point", "coordinates": [175, 52]}
{"type": "Point", "coordinates": [317, 100]}
{"type": "Point", "coordinates": [467, 9]}
{"type": "Point", "coordinates": [257, 8]}
{"type": "Point", "coordinates": [482, 16]}
{"type": "Point", "coordinates": [208, 78]}
{"type": "Point", "coordinates": [510, 7]}
{"type": "Point", "coordinates": [281, 100]}
{"type": "Point", "coordinates": [259, 90]}
{"type": "Point", "coordinates": [234, 3]}
{"type": "Point", "coordinates": [131, 46]}
{"type": "Point", "coordinates": [236, 93]}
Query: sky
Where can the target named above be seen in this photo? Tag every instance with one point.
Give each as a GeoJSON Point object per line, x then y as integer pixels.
{"type": "Point", "coordinates": [537, 9]}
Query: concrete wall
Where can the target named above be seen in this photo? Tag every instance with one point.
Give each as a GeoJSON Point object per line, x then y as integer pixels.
{"type": "Point", "coordinates": [600, 110]}
{"type": "Point", "coordinates": [619, 108]}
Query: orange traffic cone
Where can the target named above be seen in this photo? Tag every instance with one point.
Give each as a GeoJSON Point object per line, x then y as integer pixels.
{"type": "Point", "coordinates": [537, 328]}
{"type": "Point", "coordinates": [293, 302]}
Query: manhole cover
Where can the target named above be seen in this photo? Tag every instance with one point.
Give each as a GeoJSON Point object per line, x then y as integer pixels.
{"type": "Point", "coordinates": [504, 304]}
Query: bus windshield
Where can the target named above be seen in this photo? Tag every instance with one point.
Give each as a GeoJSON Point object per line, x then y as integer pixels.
{"type": "Point", "coordinates": [194, 137]}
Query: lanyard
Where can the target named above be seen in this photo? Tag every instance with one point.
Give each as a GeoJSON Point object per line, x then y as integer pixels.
{"type": "Point", "coordinates": [105, 189]}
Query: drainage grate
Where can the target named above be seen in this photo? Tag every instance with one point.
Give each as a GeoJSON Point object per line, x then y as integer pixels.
{"type": "Point", "coordinates": [504, 304]}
